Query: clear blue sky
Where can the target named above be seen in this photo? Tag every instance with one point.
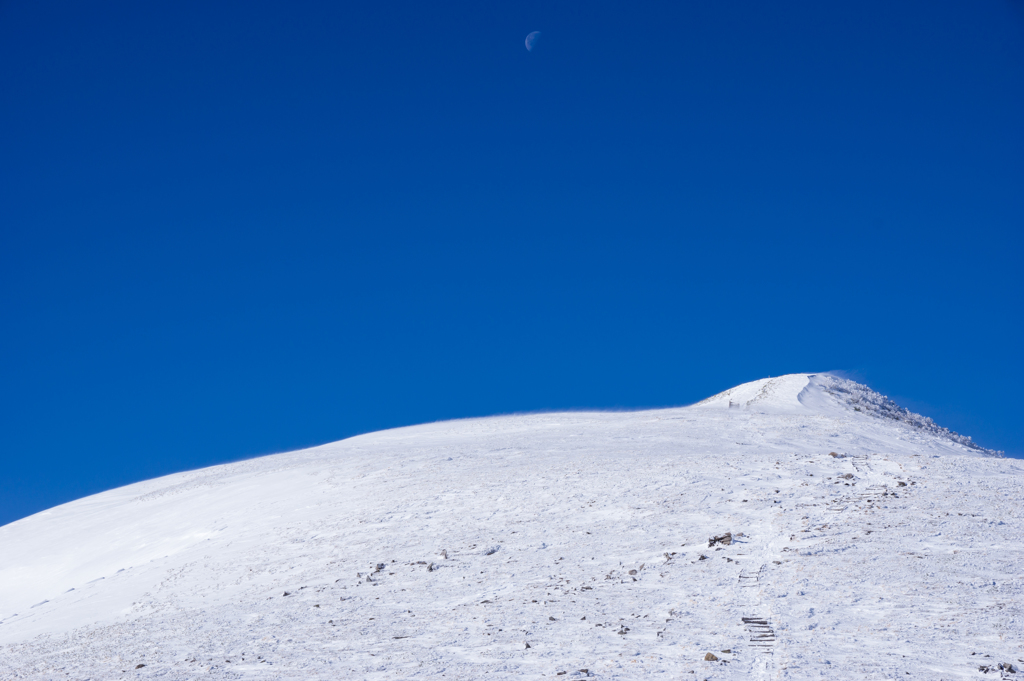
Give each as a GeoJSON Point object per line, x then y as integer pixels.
{"type": "Point", "coordinates": [235, 228]}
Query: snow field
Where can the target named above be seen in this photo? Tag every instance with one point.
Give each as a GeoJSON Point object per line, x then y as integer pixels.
{"type": "Point", "coordinates": [911, 567]}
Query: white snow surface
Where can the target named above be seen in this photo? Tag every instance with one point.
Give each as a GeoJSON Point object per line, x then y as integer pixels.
{"type": "Point", "coordinates": [528, 545]}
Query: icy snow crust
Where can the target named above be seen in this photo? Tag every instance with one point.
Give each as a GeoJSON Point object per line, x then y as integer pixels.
{"type": "Point", "coordinates": [448, 548]}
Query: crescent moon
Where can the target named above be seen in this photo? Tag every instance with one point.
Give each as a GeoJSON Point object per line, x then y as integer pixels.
{"type": "Point", "coordinates": [531, 40]}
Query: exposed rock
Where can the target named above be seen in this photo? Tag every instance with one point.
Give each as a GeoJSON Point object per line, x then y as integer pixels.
{"type": "Point", "coordinates": [711, 657]}
{"type": "Point", "coordinates": [723, 539]}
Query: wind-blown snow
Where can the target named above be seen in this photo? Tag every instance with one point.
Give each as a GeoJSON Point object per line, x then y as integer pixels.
{"type": "Point", "coordinates": [525, 546]}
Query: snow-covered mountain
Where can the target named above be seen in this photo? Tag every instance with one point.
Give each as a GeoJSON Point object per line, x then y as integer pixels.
{"type": "Point", "coordinates": [855, 541]}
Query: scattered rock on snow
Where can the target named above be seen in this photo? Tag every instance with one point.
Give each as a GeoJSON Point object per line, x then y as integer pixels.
{"type": "Point", "coordinates": [711, 657]}
{"type": "Point", "coordinates": [723, 539]}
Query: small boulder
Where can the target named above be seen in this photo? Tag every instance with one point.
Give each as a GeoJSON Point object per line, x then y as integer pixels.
{"type": "Point", "coordinates": [723, 539]}
{"type": "Point", "coordinates": [711, 657]}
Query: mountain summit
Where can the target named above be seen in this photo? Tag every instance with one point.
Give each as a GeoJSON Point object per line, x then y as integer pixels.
{"type": "Point", "coordinates": [832, 395]}
{"type": "Point", "coordinates": [795, 527]}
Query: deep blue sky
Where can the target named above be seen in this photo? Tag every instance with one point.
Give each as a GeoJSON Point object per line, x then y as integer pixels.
{"type": "Point", "coordinates": [235, 228]}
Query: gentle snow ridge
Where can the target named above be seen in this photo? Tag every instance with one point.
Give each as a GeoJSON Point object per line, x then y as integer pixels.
{"type": "Point", "coordinates": [853, 540]}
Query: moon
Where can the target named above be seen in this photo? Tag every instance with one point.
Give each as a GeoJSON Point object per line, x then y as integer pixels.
{"type": "Point", "coordinates": [531, 40]}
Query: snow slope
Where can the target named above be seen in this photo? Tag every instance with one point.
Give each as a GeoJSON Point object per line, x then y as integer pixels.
{"type": "Point", "coordinates": [525, 546]}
